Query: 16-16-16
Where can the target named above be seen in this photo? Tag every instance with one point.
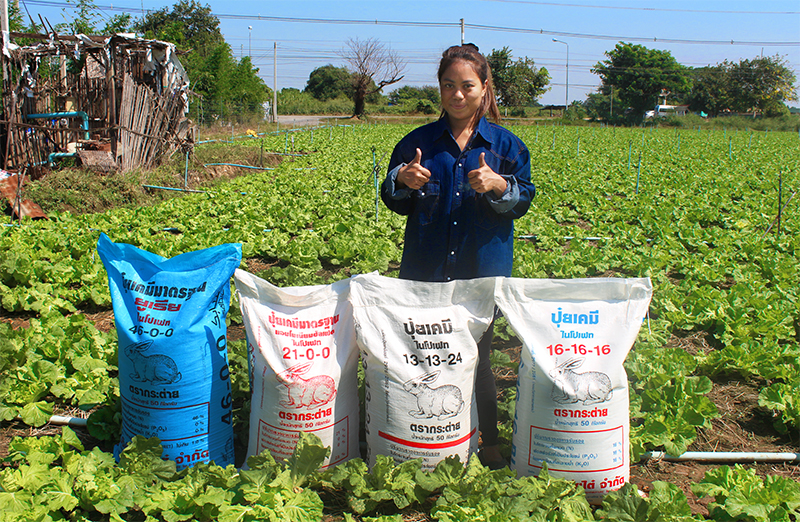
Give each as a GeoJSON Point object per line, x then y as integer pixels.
{"type": "Point", "coordinates": [579, 349]}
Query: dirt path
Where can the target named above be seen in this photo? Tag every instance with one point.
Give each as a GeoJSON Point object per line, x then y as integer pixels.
{"type": "Point", "coordinates": [294, 120]}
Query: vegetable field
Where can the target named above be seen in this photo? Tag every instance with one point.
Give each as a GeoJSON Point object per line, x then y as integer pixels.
{"type": "Point", "coordinates": [715, 366]}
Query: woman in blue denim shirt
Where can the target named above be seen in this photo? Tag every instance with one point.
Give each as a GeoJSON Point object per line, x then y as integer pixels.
{"type": "Point", "coordinates": [462, 181]}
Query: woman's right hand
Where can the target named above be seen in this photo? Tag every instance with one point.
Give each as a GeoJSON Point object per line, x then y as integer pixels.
{"type": "Point", "coordinates": [413, 175]}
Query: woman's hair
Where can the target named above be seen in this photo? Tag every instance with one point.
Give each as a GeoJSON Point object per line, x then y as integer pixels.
{"type": "Point", "coordinates": [469, 53]}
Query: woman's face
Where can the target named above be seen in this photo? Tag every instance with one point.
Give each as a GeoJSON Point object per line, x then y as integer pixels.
{"type": "Point", "coordinates": [462, 92]}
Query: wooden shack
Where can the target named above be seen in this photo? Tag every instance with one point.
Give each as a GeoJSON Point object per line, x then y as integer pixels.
{"type": "Point", "coordinates": [112, 102]}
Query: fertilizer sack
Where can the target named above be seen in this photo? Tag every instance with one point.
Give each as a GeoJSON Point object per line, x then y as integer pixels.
{"type": "Point", "coordinates": [303, 365]}
{"type": "Point", "coordinates": [572, 389]}
{"type": "Point", "coordinates": [173, 358]}
{"type": "Point", "coordinates": [419, 350]}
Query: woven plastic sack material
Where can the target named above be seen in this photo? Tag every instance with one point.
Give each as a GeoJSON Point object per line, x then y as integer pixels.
{"type": "Point", "coordinates": [173, 357]}
{"type": "Point", "coordinates": [303, 365]}
{"type": "Point", "coordinates": [572, 390]}
{"type": "Point", "coordinates": [419, 350]}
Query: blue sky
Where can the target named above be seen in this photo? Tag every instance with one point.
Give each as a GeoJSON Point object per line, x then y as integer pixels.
{"type": "Point", "coordinates": [310, 34]}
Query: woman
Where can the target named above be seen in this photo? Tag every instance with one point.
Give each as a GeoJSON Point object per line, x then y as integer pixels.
{"type": "Point", "coordinates": [462, 181]}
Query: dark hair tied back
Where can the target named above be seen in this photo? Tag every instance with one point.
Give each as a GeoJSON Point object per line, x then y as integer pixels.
{"type": "Point", "coordinates": [470, 54]}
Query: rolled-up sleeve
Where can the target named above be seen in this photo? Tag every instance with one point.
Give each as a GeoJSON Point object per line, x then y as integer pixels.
{"type": "Point", "coordinates": [390, 185]}
{"type": "Point", "coordinates": [515, 168]}
{"type": "Point", "coordinates": [509, 199]}
{"type": "Point", "coordinates": [396, 199]}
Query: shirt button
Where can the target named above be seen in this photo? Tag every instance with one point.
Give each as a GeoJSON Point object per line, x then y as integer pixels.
{"type": "Point", "coordinates": [452, 252]}
{"type": "Point", "coordinates": [458, 193]}
{"type": "Point", "coordinates": [455, 222]}
{"type": "Point", "coordinates": [459, 164]}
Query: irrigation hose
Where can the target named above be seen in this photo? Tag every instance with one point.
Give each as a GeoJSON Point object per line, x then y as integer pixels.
{"type": "Point", "coordinates": [237, 165]}
{"type": "Point", "coordinates": [723, 456]}
{"type": "Point", "coordinates": [63, 420]}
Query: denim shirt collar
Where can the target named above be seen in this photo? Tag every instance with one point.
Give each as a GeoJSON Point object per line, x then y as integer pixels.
{"type": "Point", "coordinates": [482, 131]}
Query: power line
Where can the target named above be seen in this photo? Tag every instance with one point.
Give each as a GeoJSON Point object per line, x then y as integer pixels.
{"type": "Point", "coordinates": [624, 38]}
{"type": "Point", "coordinates": [654, 9]}
{"type": "Point", "coordinates": [498, 28]}
{"type": "Point", "coordinates": [400, 23]}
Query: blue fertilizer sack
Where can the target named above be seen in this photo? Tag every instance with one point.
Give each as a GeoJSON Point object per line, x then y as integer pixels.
{"type": "Point", "coordinates": [173, 358]}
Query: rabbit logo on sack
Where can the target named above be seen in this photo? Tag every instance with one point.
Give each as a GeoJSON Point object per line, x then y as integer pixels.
{"type": "Point", "coordinates": [442, 402]}
{"type": "Point", "coordinates": [437, 403]}
{"type": "Point", "coordinates": [312, 393]}
{"type": "Point", "coordinates": [571, 387]}
{"type": "Point", "coordinates": [153, 368]}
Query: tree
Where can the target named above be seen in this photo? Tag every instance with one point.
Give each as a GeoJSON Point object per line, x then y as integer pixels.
{"type": "Point", "coordinates": [227, 86]}
{"type": "Point", "coordinates": [600, 106]}
{"type": "Point", "coordinates": [639, 74]}
{"type": "Point", "coordinates": [16, 22]}
{"type": "Point", "coordinates": [329, 82]}
{"type": "Point", "coordinates": [517, 84]}
{"type": "Point", "coordinates": [711, 89]}
{"type": "Point", "coordinates": [373, 67]}
{"type": "Point", "coordinates": [408, 93]}
{"type": "Point", "coordinates": [763, 83]}
{"type": "Point", "coordinates": [248, 91]}
{"type": "Point", "coordinates": [86, 16]}
{"type": "Point", "coordinates": [189, 25]}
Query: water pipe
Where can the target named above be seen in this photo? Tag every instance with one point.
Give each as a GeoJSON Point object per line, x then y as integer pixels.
{"type": "Point", "coordinates": [73, 114]}
{"type": "Point", "coordinates": [53, 155]}
{"type": "Point", "coordinates": [237, 165]}
{"type": "Point", "coordinates": [62, 420]}
{"type": "Point", "coordinates": [182, 190]}
{"type": "Point", "coordinates": [186, 172]}
{"type": "Point", "coordinates": [175, 189]}
{"type": "Point", "coordinates": [723, 456]}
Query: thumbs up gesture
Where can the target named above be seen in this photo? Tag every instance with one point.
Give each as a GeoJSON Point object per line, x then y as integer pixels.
{"type": "Point", "coordinates": [483, 179]}
{"type": "Point", "coordinates": [413, 175]}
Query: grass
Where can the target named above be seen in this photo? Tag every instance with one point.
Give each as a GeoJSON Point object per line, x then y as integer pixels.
{"type": "Point", "coordinates": [82, 191]}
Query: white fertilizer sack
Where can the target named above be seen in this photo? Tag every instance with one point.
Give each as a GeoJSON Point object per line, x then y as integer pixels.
{"type": "Point", "coordinates": [419, 351]}
{"type": "Point", "coordinates": [572, 389]}
{"type": "Point", "coordinates": [303, 364]}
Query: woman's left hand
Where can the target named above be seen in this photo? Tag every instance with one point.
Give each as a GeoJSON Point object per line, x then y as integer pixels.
{"type": "Point", "coordinates": [483, 179]}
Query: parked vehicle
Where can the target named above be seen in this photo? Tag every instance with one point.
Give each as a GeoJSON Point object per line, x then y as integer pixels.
{"type": "Point", "coordinates": [662, 111]}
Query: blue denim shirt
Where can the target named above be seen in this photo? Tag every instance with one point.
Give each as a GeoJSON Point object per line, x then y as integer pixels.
{"type": "Point", "coordinates": [453, 232]}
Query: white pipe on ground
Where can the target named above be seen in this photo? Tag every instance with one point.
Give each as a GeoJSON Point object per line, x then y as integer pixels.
{"type": "Point", "coordinates": [723, 456]}
{"type": "Point", "coordinates": [69, 421]}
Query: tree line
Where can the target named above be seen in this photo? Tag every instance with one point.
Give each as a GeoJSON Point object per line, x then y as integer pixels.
{"type": "Point", "coordinates": [633, 77]}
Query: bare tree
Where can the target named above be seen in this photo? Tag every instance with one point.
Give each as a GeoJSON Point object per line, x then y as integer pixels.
{"type": "Point", "coordinates": [373, 66]}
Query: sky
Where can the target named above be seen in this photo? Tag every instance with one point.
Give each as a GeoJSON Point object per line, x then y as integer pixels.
{"type": "Point", "coordinates": [306, 34]}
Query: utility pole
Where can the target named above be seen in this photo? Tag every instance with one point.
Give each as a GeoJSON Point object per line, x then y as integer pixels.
{"type": "Point", "coordinates": [250, 42]}
{"type": "Point", "coordinates": [275, 84]}
{"type": "Point", "coordinates": [566, 95]}
{"type": "Point", "coordinates": [612, 101]}
{"type": "Point", "coordinates": [462, 31]}
{"type": "Point", "coordinates": [4, 14]}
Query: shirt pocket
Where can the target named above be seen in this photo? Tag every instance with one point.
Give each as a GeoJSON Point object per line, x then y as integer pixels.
{"type": "Point", "coordinates": [427, 203]}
